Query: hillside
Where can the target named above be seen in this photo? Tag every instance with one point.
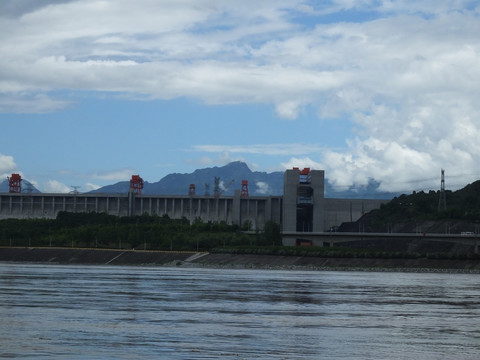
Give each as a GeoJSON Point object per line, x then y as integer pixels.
{"type": "Point", "coordinates": [419, 212]}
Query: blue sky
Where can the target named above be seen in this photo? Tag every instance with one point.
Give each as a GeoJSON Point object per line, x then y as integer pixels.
{"type": "Point", "coordinates": [94, 91]}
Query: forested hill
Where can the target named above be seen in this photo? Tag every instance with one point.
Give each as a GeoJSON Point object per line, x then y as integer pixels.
{"type": "Point", "coordinates": [420, 211]}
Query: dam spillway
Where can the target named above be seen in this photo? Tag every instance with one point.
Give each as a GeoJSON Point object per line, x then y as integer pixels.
{"type": "Point", "coordinates": [230, 209]}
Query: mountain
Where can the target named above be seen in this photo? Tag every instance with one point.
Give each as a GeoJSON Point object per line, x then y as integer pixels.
{"type": "Point", "coordinates": [259, 183]}
{"type": "Point", "coordinates": [26, 187]}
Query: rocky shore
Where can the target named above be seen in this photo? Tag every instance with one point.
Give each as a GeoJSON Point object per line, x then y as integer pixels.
{"type": "Point", "coordinates": [192, 259]}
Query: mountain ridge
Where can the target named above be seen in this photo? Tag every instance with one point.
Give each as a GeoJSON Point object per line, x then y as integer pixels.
{"type": "Point", "coordinates": [27, 187]}
{"type": "Point", "coordinates": [232, 174]}
{"type": "Point", "coordinates": [259, 183]}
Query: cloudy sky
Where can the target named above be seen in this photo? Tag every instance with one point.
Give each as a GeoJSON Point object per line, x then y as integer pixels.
{"type": "Point", "coordinates": [93, 91]}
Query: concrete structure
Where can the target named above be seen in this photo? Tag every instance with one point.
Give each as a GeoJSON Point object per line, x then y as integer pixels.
{"type": "Point", "coordinates": [335, 238]}
{"type": "Point", "coordinates": [303, 200]}
{"type": "Point", "coordinates": [306, 210]}
{"type": "Point", "coordinates": [301, 208]}
{"type": "Point", "coordinates": [232, 210]}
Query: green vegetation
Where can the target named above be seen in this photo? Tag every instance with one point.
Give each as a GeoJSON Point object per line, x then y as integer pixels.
{"type": "Point", "coordinates": [463, 206]}
{"type": "Point", "coordinates": [141, 232]}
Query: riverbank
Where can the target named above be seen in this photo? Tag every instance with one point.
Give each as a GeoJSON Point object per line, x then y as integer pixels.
{"type": "Point", "coordinates": [239, 261]}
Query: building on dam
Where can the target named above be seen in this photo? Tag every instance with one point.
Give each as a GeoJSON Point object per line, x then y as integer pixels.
{"type": "Point", "coordinates": [303, 206]}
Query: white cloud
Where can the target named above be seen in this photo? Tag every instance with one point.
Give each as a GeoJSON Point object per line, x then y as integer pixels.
{"type": "Point", "coordinates": [7, 166]}
{"type": "Point", "coordinates": [54, 186]}
{"type": "Point", "coordinates": [408, 79]}
{"type": "Point", "coordinates": [262, 187]}
{"type": "Point", "coordinates": [37, 103]}
{"type": "Point", "coordinates": [302, 163]}
{"type": "Point", "coordinates": [91, 187]}
{"type": "Point", "coordinates": [288, 110]}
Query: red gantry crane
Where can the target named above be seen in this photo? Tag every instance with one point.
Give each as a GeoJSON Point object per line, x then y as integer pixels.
{"type": "Point", "coordinates": [244, 190]}
{"type": "Point", "coordinates": [136, 184]}
{"type": "Point", "coordinates": [15, 183]}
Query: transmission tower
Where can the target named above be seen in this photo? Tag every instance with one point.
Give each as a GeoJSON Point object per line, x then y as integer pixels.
{"type": "Point", "coordinates": [442, 200]}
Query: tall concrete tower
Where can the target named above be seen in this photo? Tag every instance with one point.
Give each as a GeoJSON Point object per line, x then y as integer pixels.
{"type": "Point", "coordinates": [318, 186]}
{"type": "Point", "coordinates": [291, 179]}
{"type": "Point", "coordinates": [303, 200]}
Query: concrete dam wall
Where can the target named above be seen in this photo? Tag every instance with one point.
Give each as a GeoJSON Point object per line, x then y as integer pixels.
{"type": "Point", "coordinates": [232, 210]}
{"type": "Point", "coordinates": [303, 206]}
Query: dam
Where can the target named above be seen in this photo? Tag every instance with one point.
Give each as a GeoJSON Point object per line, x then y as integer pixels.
{"type": "Point", "coordinates": [302, 207]}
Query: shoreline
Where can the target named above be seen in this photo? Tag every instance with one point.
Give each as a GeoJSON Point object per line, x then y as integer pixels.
{"type": "Point", "coordinates": [83, 256]}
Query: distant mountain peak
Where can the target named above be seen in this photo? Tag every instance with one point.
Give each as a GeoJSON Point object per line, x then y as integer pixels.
{"type": "Point", "coordinates": [27, 187]}
{"type": "Point", "coordinates": [237, 164]}
{"type": "Point", "coordinates": [232, 174]}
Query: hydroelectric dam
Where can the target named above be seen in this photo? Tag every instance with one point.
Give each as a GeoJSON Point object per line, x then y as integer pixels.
{"type": "Point", "coordinates": [303, 206]}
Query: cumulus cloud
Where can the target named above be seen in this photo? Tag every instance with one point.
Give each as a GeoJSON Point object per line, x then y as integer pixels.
{"type": "Point", "coordinates": [262, 188]}
{"type": "Point", "coordinates": [91, 187]}
{"type": "Point", "coordinates": [54, 186]}
{"type": "Point", "coordinates": [37, 103]}
{"type": "Point", "coordinates": [301, 163]}
{"type": "Point", "coordinates": [407, 78]}
{"type": "Point", "coordinates": [7, 165]}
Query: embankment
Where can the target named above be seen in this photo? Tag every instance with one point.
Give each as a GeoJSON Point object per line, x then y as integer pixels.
{"type": "Point", "coordinates": [91, 256]}
{"type": "Point", "coordinates": [189, 259]}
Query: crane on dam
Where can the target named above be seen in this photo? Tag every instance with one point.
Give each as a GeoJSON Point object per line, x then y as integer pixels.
{"type": "Point", "coordinates": [136, 184]}
{"type": "Point", "coordinates": [217, 191]}
{"type": "Point", "coordinates": [15, 183]}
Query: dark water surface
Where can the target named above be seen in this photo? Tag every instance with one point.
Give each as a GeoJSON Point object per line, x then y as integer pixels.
{"type": "Point", "coordinates": [113, 312]}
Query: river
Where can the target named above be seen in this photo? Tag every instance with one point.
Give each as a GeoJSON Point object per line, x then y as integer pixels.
{"type": "Point", "coordinates": [116, 312]}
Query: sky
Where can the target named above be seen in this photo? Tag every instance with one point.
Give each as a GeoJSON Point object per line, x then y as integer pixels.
{"type": "Point", "coordinates": [94, 91]}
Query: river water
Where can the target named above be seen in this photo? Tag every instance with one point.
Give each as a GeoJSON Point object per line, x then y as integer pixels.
{"type": "Point", "coordinates": [113, 312]}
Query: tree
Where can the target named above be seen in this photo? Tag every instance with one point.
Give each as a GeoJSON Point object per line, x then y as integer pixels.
{"type": "Point", "coordinates": [272, 233]}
